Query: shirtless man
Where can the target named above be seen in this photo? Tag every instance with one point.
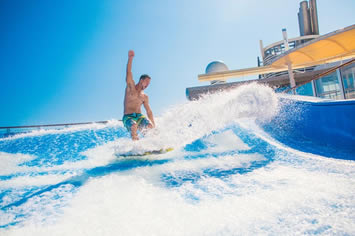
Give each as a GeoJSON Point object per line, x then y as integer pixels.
{"type": "Point", "coordinates": [133, 119]}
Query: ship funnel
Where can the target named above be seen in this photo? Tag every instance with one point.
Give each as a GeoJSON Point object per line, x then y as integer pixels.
{"type": "Point", "coordinates": [308, 18]}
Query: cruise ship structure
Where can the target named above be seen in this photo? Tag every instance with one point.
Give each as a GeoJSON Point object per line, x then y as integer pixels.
{"type": "Point", "coordinates": [314, 76]}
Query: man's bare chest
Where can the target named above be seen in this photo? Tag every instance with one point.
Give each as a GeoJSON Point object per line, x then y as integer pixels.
{"type": "Point", "coordinates": [135, 98]}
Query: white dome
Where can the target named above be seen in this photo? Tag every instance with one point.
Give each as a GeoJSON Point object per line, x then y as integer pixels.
{"type": "Point", "coordinates": [216, 66]}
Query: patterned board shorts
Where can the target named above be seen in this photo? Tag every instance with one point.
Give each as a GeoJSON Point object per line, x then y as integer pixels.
{"type": "Point", "coordinates": [135, 118]}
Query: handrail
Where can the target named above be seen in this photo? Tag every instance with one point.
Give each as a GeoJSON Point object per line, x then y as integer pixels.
{"type": "Point", "coordinates": [331, 70]}
{"type": "Point", "coordinates": [52, 125]}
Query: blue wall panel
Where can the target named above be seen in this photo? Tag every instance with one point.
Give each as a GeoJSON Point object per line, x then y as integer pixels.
{"type": "Point", "coordinates": [326, 128]}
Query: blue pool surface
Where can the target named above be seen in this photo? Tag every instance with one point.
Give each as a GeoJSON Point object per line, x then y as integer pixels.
{"type": "Point", "coordinates": [242, 177]}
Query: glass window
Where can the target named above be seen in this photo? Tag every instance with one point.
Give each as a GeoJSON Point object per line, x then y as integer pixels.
{"type": "Point", "coordinates": [282, 89]}
{"type": "Point", "coordinates": [328, 86]}
{"type": "Point", "coordinates": [348, 80]}
{"type": "Point", "coordinates": [305, 90]}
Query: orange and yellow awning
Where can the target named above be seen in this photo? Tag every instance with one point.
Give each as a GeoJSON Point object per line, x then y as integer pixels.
{"type": "Point", "coordinates": [335, 46]}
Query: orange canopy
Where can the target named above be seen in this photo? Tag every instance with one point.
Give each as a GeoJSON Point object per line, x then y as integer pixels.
{"type": "Point", "coordinates": [335, 46]}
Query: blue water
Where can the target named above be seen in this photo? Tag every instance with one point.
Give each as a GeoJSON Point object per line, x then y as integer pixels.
{"type": "Point", "coordinates": [229, 179]}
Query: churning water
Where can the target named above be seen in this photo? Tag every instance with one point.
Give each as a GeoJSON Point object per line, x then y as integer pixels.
{"type": "Point", "coordinates": [226, 176]}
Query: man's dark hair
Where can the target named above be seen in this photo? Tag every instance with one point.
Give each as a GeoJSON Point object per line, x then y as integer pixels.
{"type": "Point", "coordinates": [145, 76]}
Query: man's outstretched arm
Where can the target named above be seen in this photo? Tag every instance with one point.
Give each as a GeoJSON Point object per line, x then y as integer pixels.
{"type": "Point", "coordinates": [129, 76]}
{"type": "Point", "coordinates": [148, 110]}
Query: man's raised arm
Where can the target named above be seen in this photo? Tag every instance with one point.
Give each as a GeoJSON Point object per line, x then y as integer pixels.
{"type": "Point", "coordinates": [129, 76]}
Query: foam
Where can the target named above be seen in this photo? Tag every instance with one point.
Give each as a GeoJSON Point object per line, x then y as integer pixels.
{"type": "Point", "coordinates": [40, 180]}
{"type": "Point", "coordinates": [98, 156]}
{"type": "Point", "coordinates": [43, 208]}
{"type": "Point", "coordinates": [274, 200]}
{"type": "Point", "coordinates": [224, 142]}
{"type": "Point", "coordinates": [222, 163]}
{"type": "Point", "coordinates": [9, 162]}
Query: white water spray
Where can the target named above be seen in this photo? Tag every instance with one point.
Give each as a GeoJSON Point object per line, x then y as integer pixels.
{"type": "Point", "coordinates": [187, 122]}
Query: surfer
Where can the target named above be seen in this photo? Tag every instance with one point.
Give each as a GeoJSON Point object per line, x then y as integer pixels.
{"type": "Point", "coordinates": [134, 98]}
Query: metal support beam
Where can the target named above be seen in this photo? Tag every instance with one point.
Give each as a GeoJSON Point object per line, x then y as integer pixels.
{"type": "Point", "coordinates": [289, 65]}
{"type": "Point", "coordinates": [341, 84]}
{"type": "Point", "coordinates": [261, 49]}
{"type": "Point", "coordinates": [314, 88]}
{"type": "Point", "coordinates": [292, 78]}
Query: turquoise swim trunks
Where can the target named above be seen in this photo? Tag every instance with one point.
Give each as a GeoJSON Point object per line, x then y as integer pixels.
{"type": "Point", "coordinates": [135, 118]}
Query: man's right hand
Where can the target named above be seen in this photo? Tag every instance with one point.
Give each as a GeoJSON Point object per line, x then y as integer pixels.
{"type": "Point", "coordinates": [129, 76]}
{"type": "Point", "coordinates": [130, 53]}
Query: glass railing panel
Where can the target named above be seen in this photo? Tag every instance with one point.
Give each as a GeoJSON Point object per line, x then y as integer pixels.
{"type": "Point", "coordinates": [328, 86]}
{"type": "Point", "coordinates": [305, 90]}
{"type": "Point", "coordinates": [348, 81]}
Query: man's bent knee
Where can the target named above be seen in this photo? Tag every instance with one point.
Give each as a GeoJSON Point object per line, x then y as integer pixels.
{"type": "Point", "coordinates": [134, 134]}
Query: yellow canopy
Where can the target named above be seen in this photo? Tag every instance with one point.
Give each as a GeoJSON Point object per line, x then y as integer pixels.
{"type": "Point", "coordinates": [335, 46]}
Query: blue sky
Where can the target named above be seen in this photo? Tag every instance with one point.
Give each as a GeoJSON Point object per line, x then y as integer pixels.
{"type": "Point", "coordinates": [64, 61]}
